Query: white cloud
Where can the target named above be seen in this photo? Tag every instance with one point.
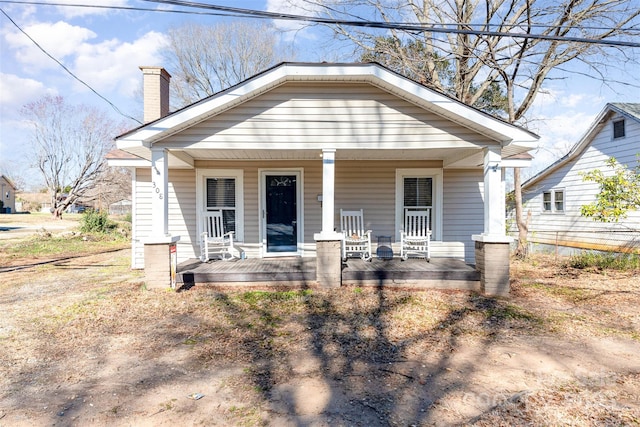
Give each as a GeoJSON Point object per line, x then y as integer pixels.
{"type": "Point", "coordinates": [72, 12]}
{"type": "Point", "coordinates": [16, 91]}
{"type": "Point", "coordinates": [113, 65]}
{"type": "Point", "coordinates": [60, 40]}
{"type": "Point", "coordinates": [293, 29]}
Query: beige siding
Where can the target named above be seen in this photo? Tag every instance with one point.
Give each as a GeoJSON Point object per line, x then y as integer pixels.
{"type": "Point", "coordinates": [182, 209]}
{"type": "Point", "coordinates": [463, 208]}
{"type": "Point", "coordinates": [141, 215]}
{"type": "Point", "coordinates": [182, 212]}
{"type": "Point", "coordinates": [359, 185]}
{"type": "Point", "coordinates": [336, 114]}
{"type": "Point", "coordinates": [369, 186]}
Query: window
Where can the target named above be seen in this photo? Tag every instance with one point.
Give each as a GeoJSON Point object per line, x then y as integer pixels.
{"type": "Point", "coordinates": [559, 200]}
{"type": "Point", "coordinates": [618, 129]}
{"type": "Point", "coordinates": [419, 190]}
{"type": "Point", "coordinates": [546, 201]}
{"type": "Point", "coordinates": [418, 193]}
{"type": "Point", "coordinates": [221, 190]}
{"type": "Point", "coordinates": [221, 196]}
{"type": "Point", "coordinates": [553, 201]}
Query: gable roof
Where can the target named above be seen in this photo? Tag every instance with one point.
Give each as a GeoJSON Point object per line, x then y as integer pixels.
{"type": "Point", "coordinates": [630, 110]}
{"type": "Point", "coordinates": [139, 141]}
{"type": "Point", "coordinates": [8, 181]}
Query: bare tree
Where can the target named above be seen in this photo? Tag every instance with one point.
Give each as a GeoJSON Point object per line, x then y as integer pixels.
{"type": "Point", "coordinates": [477, 40]}
{"type": "Point", "coordinates": [205, 59]}
{"type": "Point", "coordinates": [69, 147]}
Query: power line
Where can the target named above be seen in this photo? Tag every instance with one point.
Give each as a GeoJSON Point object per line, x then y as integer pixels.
{"type": "Point", "coordinates": [386, 25]}
{"type": "Point", "coordinates": [66, 69]}
{"type": "Point", "coordinates": [135, 9]}
{"type": "Point", "coordinates": [226, 11]}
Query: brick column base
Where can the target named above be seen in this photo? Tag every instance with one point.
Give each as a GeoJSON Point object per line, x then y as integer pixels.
{"type": "Point", "coordinates": [328, 263]}
{"type": "Point", "coordinates": [157, 265]}
{"type": "Point", "coordinates": [492, 261]}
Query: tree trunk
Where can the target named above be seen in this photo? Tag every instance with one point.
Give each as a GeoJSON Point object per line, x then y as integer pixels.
{"type": "Point", "coordinates": [523, 225]}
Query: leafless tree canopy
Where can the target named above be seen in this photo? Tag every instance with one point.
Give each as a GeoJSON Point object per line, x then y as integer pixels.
{"type": "Point", "coordinates": [477, 61]}
{"type": "Point", "coordinates": [476, 58]}
{"type": "Point", "coordinates": [205, 59]}
{"type": "Point", "coordinates": [69, 147]}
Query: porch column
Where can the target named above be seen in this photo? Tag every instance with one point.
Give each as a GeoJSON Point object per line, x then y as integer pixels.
{"type": "Point", "coordinates": [159, 189]}
{"type": "Point", "coordinates": [492, 246]}
{"type": "Point", "coordinates": [494, 203]}
{"type": "Point", "coordinates": [160, 247]}
{"type": "Point", "coordinates": [328, 242]}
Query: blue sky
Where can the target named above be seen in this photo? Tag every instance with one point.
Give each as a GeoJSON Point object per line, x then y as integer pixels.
{"type": "Point", "coordinates": [105, 47]}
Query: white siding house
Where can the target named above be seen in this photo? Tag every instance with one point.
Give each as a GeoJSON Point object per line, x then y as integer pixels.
{"type": "Point", "coordinates": [7, 195]}
{"type": "Point", "coordinates": [554, 196]}
{"type": "Point", "coordinates": [340, 136]}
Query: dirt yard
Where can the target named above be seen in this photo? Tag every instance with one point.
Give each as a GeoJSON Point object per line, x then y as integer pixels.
{"type": "Point", "coordinates": [83, 343]}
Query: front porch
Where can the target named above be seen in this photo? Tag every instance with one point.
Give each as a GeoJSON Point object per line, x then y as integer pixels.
{"type": "Point", "coordinates": [440, 273]}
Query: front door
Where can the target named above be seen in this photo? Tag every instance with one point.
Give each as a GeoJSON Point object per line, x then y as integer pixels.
{"type": "Point", "coordinates": [280, 213]}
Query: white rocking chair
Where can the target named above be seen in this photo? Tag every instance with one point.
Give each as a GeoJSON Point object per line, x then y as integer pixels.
{"type": "Point", "coordinates": [415, 239]}
{"type": "Point", "coordinates": [214, 242]}
{"type": "Point", "coordinates": [356, 241]}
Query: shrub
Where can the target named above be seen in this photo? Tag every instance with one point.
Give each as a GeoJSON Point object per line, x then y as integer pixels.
{"type": "Point", "coordinates": [96, 222]}
{"type": "Point", "coordinates": [605, 260]}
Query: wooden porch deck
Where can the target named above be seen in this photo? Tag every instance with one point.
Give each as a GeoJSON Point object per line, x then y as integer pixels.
{"type": "Point", "coordinates": [443, 273]}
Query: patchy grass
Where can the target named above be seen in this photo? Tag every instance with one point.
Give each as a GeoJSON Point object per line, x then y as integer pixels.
{"type": "Point", "coordinates": [45, 246]}
{"type": "Point", "coordinates": [376, 348]}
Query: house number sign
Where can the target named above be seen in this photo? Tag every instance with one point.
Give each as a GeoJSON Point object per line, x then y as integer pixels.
{"type": "Point", "coordinates": [156, 189]}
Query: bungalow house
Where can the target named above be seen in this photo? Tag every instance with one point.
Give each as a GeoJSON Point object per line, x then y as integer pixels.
{"type": "Point", "coordinates": [555, 195]}
{"type": "Point", "coordinates": [332, 136]}
{"type": "Point", "coordinates": [7, 195]}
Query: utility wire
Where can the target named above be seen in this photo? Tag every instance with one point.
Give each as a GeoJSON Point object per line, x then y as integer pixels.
{"type": "Point", "coordinates": [385, 25]}
{"type": "Point", "coordinates": [67, 70]}
{"type": "Point", "coordinates": [136, 9]}
{"type": "Point", "coordinates": [252, 13]}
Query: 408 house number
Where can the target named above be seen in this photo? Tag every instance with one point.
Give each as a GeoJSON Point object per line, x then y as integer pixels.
{"type": "Point", "coordinates": [156, 190]}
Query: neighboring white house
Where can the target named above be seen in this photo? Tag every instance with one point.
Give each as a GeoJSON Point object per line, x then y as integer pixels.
{"type": "Point", "coordinates": [7, 195]}
{"type": "Point", "coordinates": [555, 195]}
{"type": "Point", "coordinates": [317, 138]}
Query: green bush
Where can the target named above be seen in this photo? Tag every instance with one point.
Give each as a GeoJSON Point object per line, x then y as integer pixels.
{"type": "Point", "coordinates": [605, 260]}
{"type": "Point", "coordinates": [96, 222]}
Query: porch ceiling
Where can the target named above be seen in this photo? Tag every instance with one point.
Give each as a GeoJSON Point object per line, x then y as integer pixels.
{"type": "Point", "coordinates": [468, 158]}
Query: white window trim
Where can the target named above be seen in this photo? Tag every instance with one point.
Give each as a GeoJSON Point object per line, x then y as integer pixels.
{"type": "Point", "coordinates": [436, 175]}
{"type": "Point", "coordinates": [201, 177]}
{"type": "Point", "coordinates": [553, 202]}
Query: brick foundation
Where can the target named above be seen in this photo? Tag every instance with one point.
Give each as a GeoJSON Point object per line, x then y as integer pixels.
{"type": "Point", "coordinates": [329, 263]}
{"type": "Point", "coordinates": [492, 261]}
{"type": "Point", "coordinates": [157, 265]}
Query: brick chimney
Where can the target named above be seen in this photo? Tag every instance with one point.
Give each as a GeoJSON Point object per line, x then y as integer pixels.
{"type": "Point", "coordinates": [156, 92]}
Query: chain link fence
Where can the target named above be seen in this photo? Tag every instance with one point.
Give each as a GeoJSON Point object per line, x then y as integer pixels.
{"type": "Point", "coordinates": [564, 243]}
